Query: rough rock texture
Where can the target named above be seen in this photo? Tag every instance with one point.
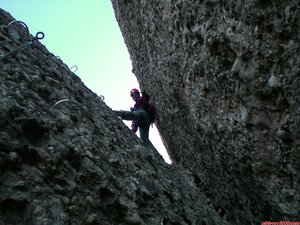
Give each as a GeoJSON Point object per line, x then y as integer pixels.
{"type": "Point", "coordinates": [225, 76]}
{"type": "Point", "coordinates": [73, 161]}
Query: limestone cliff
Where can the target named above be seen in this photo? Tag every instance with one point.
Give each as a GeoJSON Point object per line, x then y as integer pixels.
{"type": "Point", "coordinates": [65, 158]}
{"type": "Point", "coordinates": [225, 77]}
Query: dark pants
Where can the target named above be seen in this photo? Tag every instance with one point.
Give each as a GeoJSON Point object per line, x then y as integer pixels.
{"type": "Point", "coordinates": [141, 118]}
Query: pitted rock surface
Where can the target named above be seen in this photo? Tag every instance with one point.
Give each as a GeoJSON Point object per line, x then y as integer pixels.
{"type": "Point", "coordinates": [65, 158]}
{"type": "Point", "coordinates": [225, 77]}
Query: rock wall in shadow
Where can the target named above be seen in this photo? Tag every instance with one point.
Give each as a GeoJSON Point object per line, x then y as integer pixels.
{"type": "Point", "coordinates": [225, 79]}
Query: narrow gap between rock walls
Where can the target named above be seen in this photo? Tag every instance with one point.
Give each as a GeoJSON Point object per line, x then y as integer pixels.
{"type": "Point", "coordinates": [156, 140]}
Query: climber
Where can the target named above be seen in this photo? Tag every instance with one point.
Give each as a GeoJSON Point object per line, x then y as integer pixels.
{"type": "Point", "coordinates": [142, 114]}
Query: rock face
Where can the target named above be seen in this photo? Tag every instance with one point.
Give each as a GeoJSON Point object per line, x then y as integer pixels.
{"type": "Point", "coordinates": [225, 77]}
{"type": "Point", "coordinates": [65, 158]}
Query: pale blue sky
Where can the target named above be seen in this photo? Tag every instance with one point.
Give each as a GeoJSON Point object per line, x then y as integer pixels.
{"type": "Point", "coordinates": [86, 34]}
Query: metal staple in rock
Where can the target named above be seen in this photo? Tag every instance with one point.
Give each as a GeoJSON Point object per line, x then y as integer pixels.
{"type": "Point", "coordinates": [38, 36]}
{"type": "Point", "coordinates": [76, 68]}
{"type": "Point", "coordinates": [73, 102]}
{"type": "Point", "coordinates": [23, 24]}
{"type": "Point", "coordinates": [93, 98]}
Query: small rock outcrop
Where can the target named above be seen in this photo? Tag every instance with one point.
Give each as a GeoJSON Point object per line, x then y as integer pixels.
{"type": "Point", "coordinates": [225, 77]}
{"type": "Point", "coordinates": [65, 158]}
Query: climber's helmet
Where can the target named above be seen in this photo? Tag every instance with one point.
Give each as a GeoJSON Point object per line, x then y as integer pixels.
{"type": "Point", "coordinates": [134, 92]}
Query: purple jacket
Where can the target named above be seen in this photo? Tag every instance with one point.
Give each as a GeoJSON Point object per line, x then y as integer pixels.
{"type": "Point", "coordinates": [141, 104]}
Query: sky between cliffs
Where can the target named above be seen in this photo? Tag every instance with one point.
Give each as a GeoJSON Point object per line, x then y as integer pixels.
{"type": "Point", "coordinates": [85, 34]}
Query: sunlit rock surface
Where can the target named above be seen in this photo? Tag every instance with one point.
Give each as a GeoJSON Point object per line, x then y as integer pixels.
{"type": "Point", "coordinates": [65, 158]}
{"type": "Point", "coordinates": [225, 77]}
